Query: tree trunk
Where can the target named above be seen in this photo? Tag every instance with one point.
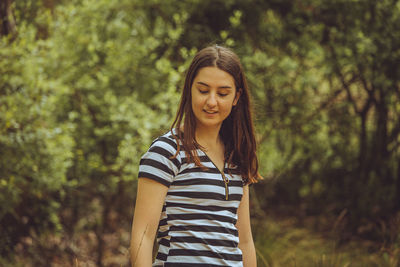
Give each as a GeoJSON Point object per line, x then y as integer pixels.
{"type": "Point", "coordinates": [397, 197]}
{"type": "Point", "coordinates": [7, 21]}
{"type": "Point", "coordinates": [381, 155]}
{"type": "Point", "coordinates": [362, 157]}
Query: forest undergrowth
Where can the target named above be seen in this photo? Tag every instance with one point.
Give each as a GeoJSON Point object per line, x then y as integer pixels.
{"type": "Point", "coordinates": [288, 241]}
{"type": "Point", "coordinates": [280, 242]}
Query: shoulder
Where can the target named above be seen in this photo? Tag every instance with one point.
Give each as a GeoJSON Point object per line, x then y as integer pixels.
{"type": "Point", "coordinates": [166, 141]}
{"type": "Point", "coordinates": [164, 148]}
{"type": "Point", "coordinates": [161, 162]}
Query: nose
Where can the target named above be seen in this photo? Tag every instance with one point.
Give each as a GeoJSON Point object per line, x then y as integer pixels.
{"type": "Point", "coordinates": [211, 100]}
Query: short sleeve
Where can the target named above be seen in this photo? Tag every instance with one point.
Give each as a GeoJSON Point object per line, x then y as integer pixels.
{"type": "Point", "coordinates": [158, 163]}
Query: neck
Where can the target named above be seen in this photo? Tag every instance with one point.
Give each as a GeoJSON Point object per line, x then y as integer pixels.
{"type": "Point", "coordinates": [207, 137]}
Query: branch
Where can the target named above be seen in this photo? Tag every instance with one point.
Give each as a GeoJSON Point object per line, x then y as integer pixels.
{"type": "Point", "coordinates": [342, 79]}
{"type": "Point", "coordinates": [395, 146]}
{"type": "Point", "coordinates": [349, 95]}
{"type": "Point", "coordinates": [370, 91]}
{"type": "Point", "coordinates": [396, 130]}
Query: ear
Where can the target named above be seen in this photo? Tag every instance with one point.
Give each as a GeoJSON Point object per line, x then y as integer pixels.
{"type": "Point", "coordinates": [237, 96]}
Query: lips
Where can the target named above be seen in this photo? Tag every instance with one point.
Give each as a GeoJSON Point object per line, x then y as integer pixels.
{"type": "Point", "coordinates": [210, 111]}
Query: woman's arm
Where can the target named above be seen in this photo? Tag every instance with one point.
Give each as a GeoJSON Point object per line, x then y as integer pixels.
{"type": "Point", "coordinates": [149, 201]}
{"type": "Point", "coordinates": [246, 243]}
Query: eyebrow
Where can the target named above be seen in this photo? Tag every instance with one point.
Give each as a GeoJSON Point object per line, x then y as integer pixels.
{"type": "Point", "coordinates": [219, 87]}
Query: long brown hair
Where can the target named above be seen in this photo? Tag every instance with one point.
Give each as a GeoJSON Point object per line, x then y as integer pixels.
{"type": "Point", "coordinates": [237, 130]}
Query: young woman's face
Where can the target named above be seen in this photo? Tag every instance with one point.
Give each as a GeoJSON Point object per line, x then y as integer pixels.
{"type": "Point", "coordinates": [213, 96]}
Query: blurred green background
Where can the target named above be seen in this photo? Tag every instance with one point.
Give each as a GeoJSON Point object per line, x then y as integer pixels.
{"type": "Point", "coordinates": [85, 86]}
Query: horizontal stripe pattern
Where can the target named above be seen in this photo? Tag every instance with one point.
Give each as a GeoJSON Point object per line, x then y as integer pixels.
{"type": "Point", "coordinates": [197, 223]}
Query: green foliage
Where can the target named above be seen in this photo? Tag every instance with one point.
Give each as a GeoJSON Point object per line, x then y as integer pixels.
{"type": "Point", "coordinates": [35, 152]}
{"type": "Point", "coordinates": [77, 111]}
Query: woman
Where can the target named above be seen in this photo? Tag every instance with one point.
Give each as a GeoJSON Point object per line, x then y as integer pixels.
{"type": "Point", "coordinates": [193, 181]}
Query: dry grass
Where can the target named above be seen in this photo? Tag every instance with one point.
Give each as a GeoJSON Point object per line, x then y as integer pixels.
{"type": "Point", "coordinates": [282, 244]}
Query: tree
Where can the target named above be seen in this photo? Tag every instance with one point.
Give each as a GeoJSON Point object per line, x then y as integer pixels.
{"type": "Point", "coordinates": [7, 21]}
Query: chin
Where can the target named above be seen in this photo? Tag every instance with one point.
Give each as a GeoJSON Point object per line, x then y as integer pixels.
{"type": "Point", "coordinates": [210, 124]}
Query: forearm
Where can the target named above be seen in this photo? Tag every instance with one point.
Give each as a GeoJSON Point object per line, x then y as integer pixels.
{"type": "Point", "coordinates": [246, 243]}
{"type": "Point", "coordinates": [141, 251]}
{"type": "Point", "coordinates": [149, 200]}
{"type": "Point", "coordinates": [249, 254]}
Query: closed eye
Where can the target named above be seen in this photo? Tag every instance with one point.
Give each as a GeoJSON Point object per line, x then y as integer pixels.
{"type": "Point", "coordinates": [221, 94]}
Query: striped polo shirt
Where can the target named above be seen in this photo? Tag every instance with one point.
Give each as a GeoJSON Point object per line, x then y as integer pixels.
{"type": "Point", "coordinates": [197, 223]}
